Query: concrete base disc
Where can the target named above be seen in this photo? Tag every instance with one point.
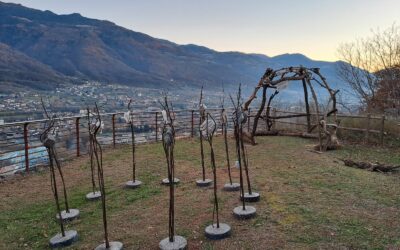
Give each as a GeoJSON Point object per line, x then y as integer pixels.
{"type": "Point", "coordinates": [244, 214]}
{"type": "Point", "coordinates": [59, 241]}
{"type": "Point", "coordinates": [231, 187]}
{"type": "Point", "coordinates": [215, 233]}
{"type": "Point", "coordinates": [73, 214]}
{"type": "Point", "coordinates": [114, 245]}
{"type": "Point", "coordinates": [203, 183]}
{"type": "Point", "coordinates": [133, 184]}
{"type": "Point", "coordinates": [253, 197]}
{"type": "Point", "coordinates": [179, 243]}
{"type": "Point", "coordinates": [93, 196]}
{"type": "Point", "coordinates": [166, 181]}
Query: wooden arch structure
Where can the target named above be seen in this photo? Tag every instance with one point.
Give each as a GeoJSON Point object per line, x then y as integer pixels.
{"type": "Point", "coordinates": [275, 79]}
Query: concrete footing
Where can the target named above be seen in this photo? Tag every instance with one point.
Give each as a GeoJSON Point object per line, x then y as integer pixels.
{"type": "Point", "coordinates": [114, 245]}
{"type": "Point", "coordinates": [59, 241]}
{"type": "Point", "coordinates": [203, 183]}
{"type": "Point", "coordinates": [166, 181]}
{"type": "Point", "coordinates": [133, 184]}
{"type": "Point", "coordinates": [218, 233]}
{"type": "Point", "coordinates": [248, 213]}
{"type": "Point", "coordinates": [73, 214]}
{"type": "Point", "coordinates": [179, 243]}
{"type": "Point", "coordinates": [92, 196]}
{"type": "Point", "coordinates": [253, 197]}
{"type": "Point", "coordinates": [231, 187]}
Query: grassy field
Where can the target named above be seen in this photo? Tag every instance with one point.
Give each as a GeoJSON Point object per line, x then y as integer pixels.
{"type": "Point", "coordinates": [308, 200]}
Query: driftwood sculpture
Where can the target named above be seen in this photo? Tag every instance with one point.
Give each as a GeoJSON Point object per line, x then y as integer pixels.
{"type": "Point", "coordinates": [95, 194]}
{"type": "Point", "coordinates": [215, 230]}
{"type": "Point", "coordinates": [249, 196]}
{"type": "Point", "coordinates": [231, 186]}
{"type": "Point", "coordinates": [373, 167]}
{"type": "Point", "coordinates": [239, 118]}
{"type": "Point", "coordinates": [98, 156]}
{"type": "Point", "coordinates": [330, 132]}
{"type": "Point", "coordinates": [275, 79]}
{"type": "Point", "coordinates": [202, 113]}
{"type": "Point", "coordinates": [65, 238]}
{"type": "Point", "coordinates": [128, 116]}
{"type": "Point", "coordinates": [168, 139]}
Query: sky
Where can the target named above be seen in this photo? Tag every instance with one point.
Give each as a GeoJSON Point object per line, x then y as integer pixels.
{"type": "Point", "coordinates": [315, 28]}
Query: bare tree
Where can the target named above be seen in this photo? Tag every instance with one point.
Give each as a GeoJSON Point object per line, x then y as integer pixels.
{"type": "Point", "coordinates": [369, 62]}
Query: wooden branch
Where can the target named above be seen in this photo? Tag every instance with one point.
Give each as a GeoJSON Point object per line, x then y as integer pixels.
{"type": "Point", "coordinates": [253, 95]}
{"type": "Point", "coordinates": [286, 133]}
{"type": "Point", "coordinates": [259, 112]}
{"type": "Point", "coordinates": [314, 95]}
{"type": "Point", "coordinates": [307, 106]}
{"type": "Point", "coordinates": [286, 116]}
{"type": "Point", "coordinates": [374, 167]}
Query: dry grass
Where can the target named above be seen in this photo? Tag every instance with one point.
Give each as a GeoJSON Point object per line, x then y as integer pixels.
{"type": "Point", "coordinates": [309, 201]}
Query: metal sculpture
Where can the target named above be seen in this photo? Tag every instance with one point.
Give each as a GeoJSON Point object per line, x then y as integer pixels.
{"type": "Point", "coordinates": [202, 117]}
{"type": "Point", "coordinates": [168, 139]}
{"type": "Point", "coordinates": [98, 156]}
{"type": "Point", "coordinates": [216, 230]}
{"type": "Point", "coordinates": [239, 118]}
{"type": "Point", "coordinates": [278, 79]}
{"type": "Point", "coordinates": [231, 186]}
{"type": "Point", "coordinates": [128, 116]}
{"type": "Point", "coordinates": [95, 194]}
{"type": "Point", "coordinates": [65, 238]}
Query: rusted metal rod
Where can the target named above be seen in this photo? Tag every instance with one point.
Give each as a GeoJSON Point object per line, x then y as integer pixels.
{"type": "Point", "coordinates": [133, 153]}
{"type": "Point", "coordinates": [78, 153]}
{"type": "Point", "coordinates": [26, 143]}
{"type": "Point", "coordinates": [225, 132]}
{"type": "Point", "coordinates": [54, 189]}
{"type": "Point", "coordinates": [248, 120]}
{"type": "Point", "coordinates": [156, 126]}
{"type": "Point", "coordinates": [113, 129]}
{"type": "Point", "coordinates": [245, 160]}
{"type": "Point", "coordinates": [192, 124]}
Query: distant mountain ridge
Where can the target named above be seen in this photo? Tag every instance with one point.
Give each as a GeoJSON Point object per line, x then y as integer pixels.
{"type": "Point", "coordinates": [41, 49]}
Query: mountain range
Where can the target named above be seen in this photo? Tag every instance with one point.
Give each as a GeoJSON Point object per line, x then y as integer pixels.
{"type": "Point", "coordinates": [41, 50]}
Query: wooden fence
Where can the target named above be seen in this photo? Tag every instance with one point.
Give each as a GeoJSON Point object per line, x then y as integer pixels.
{"type": "Point", "coordinates": [367, 126]}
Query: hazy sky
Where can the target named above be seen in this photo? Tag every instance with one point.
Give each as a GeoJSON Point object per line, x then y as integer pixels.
{"type": "Point", "coordinates": [312, 27]}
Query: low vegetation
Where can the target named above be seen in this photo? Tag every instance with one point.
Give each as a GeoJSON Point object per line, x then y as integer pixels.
{"type": "Point", "coordinates": [309, 200]}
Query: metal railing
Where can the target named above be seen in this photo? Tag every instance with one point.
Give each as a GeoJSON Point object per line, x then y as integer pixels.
{"type": "Point", "coordinates": [21, 150]}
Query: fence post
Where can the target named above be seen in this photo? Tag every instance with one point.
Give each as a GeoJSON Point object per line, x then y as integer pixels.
{"type": "Point", "coordinates": [26, 143]}
{"type": "Point", "coordinates": [113, 129]}
{"type": "Point", "coordinates": [248, 120]}
{"type": "Point", "coordinates": [368, 127]}
{"type": "Point", "coordinates": [274, 121]}
{"type": "Point", "coordinates": [382, 129]}
{"type": "Point", "coordinates": [192, 131]}
{"type": "Point", "coordinates": [156, 126]}
{"type": "Point", "coordinates": [78, 153]}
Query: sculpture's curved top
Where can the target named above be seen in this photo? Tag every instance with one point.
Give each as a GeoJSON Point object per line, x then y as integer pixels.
{"type": "Point", "coordinates": [279, 78]}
